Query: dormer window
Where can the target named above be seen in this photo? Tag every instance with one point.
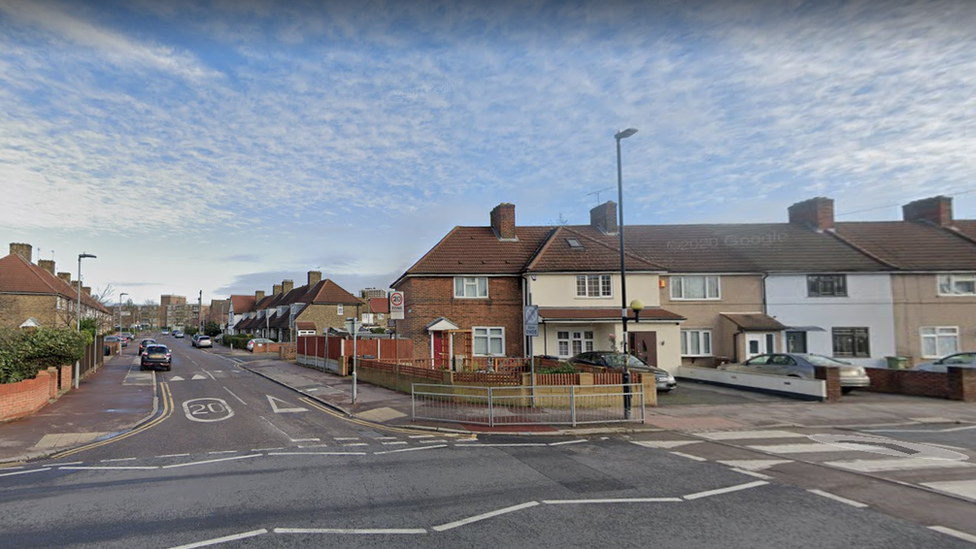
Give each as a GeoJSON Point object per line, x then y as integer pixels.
{"type": "Point", "coordinates": [574, 244]}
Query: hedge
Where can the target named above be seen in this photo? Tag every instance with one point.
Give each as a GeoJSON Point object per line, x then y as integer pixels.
{"type": "Point", "coordinates": [25, 352]}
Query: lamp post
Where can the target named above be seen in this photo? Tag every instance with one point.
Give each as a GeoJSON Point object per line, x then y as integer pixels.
{"type": "Point", "coordinates": [622, 134]}
{"type": "Point", "coordinates": [120, 320]}
{"type": "Point", "coordinates": [78, 313]}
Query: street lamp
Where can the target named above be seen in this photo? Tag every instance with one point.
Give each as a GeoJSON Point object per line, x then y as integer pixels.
{"type": "Point", "coordinates": [120, 319]}
{"type": "Point", "coordinates": [622, 134]}
{"type": "Point", "coordinates": [78, 312]}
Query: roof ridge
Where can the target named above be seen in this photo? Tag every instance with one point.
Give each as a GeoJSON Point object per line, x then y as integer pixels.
{"type": "Point", "coordinates": [426, 255]}
{"type": "Point", "coordinates": [539, 251]}
{"type": "Point", "coordinates": [861, 250]}
{"type": "Point", "coordinates": [955, 231]}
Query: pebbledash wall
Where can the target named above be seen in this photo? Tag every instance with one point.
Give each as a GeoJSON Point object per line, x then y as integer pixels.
{"type": "Point", "coordinates": [27, 397]}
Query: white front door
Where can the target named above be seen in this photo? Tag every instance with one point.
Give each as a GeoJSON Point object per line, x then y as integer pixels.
{"type": "Point", "coordinates": [759, 343]}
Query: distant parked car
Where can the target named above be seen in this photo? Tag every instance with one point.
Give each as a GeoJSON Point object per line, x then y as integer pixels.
{"type": "Point", "coordinates": [257, 341]}
{"type": "Point", "coordinates": [664, 381]}
{"type": "Point", "coordinates": [156, 355]}
{"type": "Point", "coordinates": [961, 360]}
{"type": "Point", "coordinates": [129, 336]}
{"type": "Point", "coordinates": [178, 334]}
{"type": "Point", "coordinates": [802, 365]}
{"type": "Point", "coordinates": [116, 339]}
{"type": "Point", "coordinates": [145, 343]}
{"type": "Point", "coordinates": [165, 332]}
{"type": "Point", "coordinates": [202, 341]}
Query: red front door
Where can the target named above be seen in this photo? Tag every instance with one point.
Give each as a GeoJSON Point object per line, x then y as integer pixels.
{"type": "Point", "coordinates": [643, 345]}
{"type": "Point", "coordinates": [442, 357]}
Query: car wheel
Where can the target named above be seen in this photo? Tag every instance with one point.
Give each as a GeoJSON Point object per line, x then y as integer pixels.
{"type": "Point", "coordinates": [846, 390]}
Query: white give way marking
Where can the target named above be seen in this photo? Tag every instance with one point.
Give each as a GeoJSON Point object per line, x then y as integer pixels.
{"type": "Point", "coordinates": [282, 410]}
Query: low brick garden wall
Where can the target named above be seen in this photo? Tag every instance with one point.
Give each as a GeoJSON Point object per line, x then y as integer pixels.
{"type": "Point", "coordinates": [956, 384]}
{"type": "Point", "coordinates": [30, 395]}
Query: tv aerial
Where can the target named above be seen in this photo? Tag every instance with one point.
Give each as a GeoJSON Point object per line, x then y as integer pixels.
{"type": "Point", "coordinates": [597, 193]}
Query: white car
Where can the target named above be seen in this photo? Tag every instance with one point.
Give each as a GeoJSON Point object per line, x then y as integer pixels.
{"type": "Point", "coordinates": [202, 341]}
{"type": "Point", "coordinates": [257, 341]}
{"type": "Point", "coordinates": [961, 360]}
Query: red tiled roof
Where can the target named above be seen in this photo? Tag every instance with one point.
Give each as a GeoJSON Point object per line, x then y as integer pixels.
{"type": "Point", "coordinates": [476, 250]}
{"type": "Point", "coordinates": [328, 292]}
{"type": "Point", "coordinates": [592, 254]}
{"type": "Point", "coordinates": [966, 227]}
{"type": "Point", "coordinates": [593, 313]}
{"type": "Point", "coordinates": [242, 303]}
{"type": "Point", "coordinates": [379, 305]}
{"type": "Point", "coordinates": [17, 275]}
{"type": "Point", "coordinates": [911, 245]}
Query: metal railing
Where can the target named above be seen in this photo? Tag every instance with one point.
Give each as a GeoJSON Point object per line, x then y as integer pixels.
{"type": "Point", "coordinates": [529, 405]}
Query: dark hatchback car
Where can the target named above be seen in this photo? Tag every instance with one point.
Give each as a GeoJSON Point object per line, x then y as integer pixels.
{"type": "Point", "coordinates": [664, 381]}
{"type": "Point", "coordinates": [155, 356]}
{"type": "Point", "coordinates": [145, 343]}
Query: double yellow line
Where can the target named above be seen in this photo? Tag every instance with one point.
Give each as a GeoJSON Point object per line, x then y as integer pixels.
{"type": "Point", "coordinates": [165, 395]}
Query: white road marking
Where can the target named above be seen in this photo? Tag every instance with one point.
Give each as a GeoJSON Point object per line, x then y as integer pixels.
{"type": "Point", "coordinates": [954, 533]}
{"type": "Point", "coordinates": [312, 446]}
{"type": "Point", "coordinates": [346, 438]}
{"type": "Point", "coordinates": [410, 449]}
{"type": "Point", "coordinates": [224, 539]}
{"type": "Point", "coordinates": [175, 465]}
{"type": "Point", "coordinates": [665, 444]}
{"type": "Point", "coordinates": [275, 427]}
{"type": "Point", "coordinates": [209, 374]}
{"type": "Point", "coordinates": [114, 460]}
{"type": "Point", "coordinates": [21, 467]}
{"type": "Point", "coordinates": [752, 474]}
{"type": "Point", "coordinates": [502, 445]}
{"type": "Point", "coordinates": [176, 378]}
{"type": "Point", "coordinates": [317, 453]}
{"type": "Point", "coordinates": [469, 520]}
{"type": "Point", "coordinates": [708, 493]}
{"type": "Point", "coordinates": [239, 399]}
{"type": "Point", "coordinates": [737, 435]}
{"type": "Point", "coordinates": [306, 439]}
{"type": "Point", "coordinates": [828, 495]}
{"type": "Point", "coordinates": [173, 455]}
{"type": "Point", "coordinates": [25, 472]}
{"type": "Point", "coordinates": [277, 410]}
{"type": "Point", "coordinates": [432, 441]}
{"type": "Point", "coordinates": [355, 444]}
{"type": "Point", "coordinates": [619, 500]}
{"type": "Point", "coordinates": [689, 456]}
{"type": "Point", "coordinates": [398, 442]}
{"type": "Point", "coordinates": [949, 430]}
{"type": "Point", "coordinates": [965, 488]}
{"type": "Point", "coordinates": [386, 438]}
{"type": "Point", "coordinates": [197, 376]}
{"type": "Point", "coordinates": [111, 468]}
{"type": "Point", "coordinates": [799, 448]}
{"type": "Point", "coordinates": [421, 436]}
{"type": "Point", "coordinates": [70, 463]}
{"type": "Point", "coordinates": [205, 407]}
{"type": "Point", "coordinates": [896, 464]}
{"type": "Point", "coordinates": [364, 531]}
{"type": "Point", "coordinates": [223, 452]}
{"type": "Point", "coordinates": [565, 442]}
{"type": "Point", "coordinates": [754, 464]}
{"type": "Point", "coordinates": [263, 449]}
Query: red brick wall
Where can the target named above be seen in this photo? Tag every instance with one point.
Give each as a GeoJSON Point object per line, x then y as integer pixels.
{"type": "Point", "coordinates": [26, 397]}
{"type": "Point", "coordinates": [428, 298]}
{"type": "Point", "coordinates": [832, 377]}
{"type": "Point", "coordinates": [962, 384]}
{"type": "Point", "coordinates": [908, 382]}
{"type": "Point", "coordinates": [66, 372]}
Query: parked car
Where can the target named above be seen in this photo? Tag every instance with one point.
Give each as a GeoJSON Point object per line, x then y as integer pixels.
{"type": "Point", "coordinates": [178, 334]}
{"type": "Point", "coordinates": [129, 336]}
{"type": "Point", "coordinates": [115, 339]}
{"type": "Point", "coordinates": [156, 355]}
{"type": "Point", "coordinates": [257, 341]}
{"type": "Point", "coordinates": [165, 332]}
{"type": "Point", "coordinates": [802, 365]}
{"type": "Point", "coordinates": [202, 341]}
{"type": "Point", "coordinates": [664, 381]}
{"type": "Point", "coordinates": [145, 343]}
{"type": "Point", "coordinates": [961, 360]}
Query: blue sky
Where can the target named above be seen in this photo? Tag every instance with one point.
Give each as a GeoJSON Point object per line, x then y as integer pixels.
{"type": "Point", "coordinates": [225, 146]}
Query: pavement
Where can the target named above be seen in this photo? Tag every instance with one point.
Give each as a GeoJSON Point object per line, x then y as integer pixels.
{"type": "Point", "coordinates": [118, 398]}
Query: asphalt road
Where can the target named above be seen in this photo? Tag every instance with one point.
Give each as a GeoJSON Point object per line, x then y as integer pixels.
{"type": "Point", "coordinates": [234, 460]}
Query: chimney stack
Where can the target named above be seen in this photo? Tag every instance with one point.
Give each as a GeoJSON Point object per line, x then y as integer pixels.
{"type": "Point", "coordinates": [936, 210]}
{"type": "Point", "coordinates": [23, 250]}
{"type": "Point", "coordinates": [815, 213]}
{"type": "Point", "coordinates": [287, 285]}
{"type": "Point", "coordinates": [276, 289]}
{"type": "Point", "coordinates": [503, 221]}
{"type": "Point", "coordinates": [86, 289]}
{"type": "Point", "coordinates": [604, 217]}
{"type": "Point", "coordinates": [258, 295]}
{"type": "Point", "coordinates": [46, 264]}
{"type": "Point", "coordinates": [65, 277]}
{"type": "Point", "coordinates": [314, 277]}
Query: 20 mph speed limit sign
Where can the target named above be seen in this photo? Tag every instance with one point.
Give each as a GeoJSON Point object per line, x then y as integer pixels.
{"type": "Point", "coordinates": [396, 305]}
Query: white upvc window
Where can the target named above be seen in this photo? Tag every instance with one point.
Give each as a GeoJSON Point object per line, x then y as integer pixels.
{"type": "Point", "coordinates": [957, 284]}
{"type": "Point", "coordinates": [339, 309]}
{"type": "Point", "coordinates": [573, 343]}
{"type": "Point", "coordinates": [939, 341]}
{"type": "Point", "coordinates": [471, 286]}
{"type": "Point", "coordinates": [696, 343]}
{"type": "Point", "coordinates": [593, 286]}
{"type": "Point", "coordinates": [489, 340]}
{"type": "Point", "coordinates": [695, 287]}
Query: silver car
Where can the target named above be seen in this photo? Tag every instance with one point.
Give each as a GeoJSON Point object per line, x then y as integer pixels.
{"type": "Point", "coordinates": [802, 365]}
{"type": "Point", "coordinates": [962, 360]}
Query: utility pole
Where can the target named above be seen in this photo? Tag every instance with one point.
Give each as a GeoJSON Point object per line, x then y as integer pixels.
{"type": "Point", "coordinates": [200, 313]}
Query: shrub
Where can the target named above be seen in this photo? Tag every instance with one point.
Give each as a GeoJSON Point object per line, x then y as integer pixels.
{"type": "Point", "coordinates": [239, 340]}
{"type": "Point", "coordinates": [24, 352]}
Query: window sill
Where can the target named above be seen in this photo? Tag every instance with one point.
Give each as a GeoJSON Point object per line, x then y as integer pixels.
{"type": "Point", "coordinates": [696, 299]}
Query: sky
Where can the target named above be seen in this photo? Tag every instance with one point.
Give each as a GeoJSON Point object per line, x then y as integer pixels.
{"type": "Point", "coordinates": [223, 147]}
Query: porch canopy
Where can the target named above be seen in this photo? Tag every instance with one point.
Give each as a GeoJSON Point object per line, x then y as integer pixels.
{"type": "Point", "coordinates": [755, 322]}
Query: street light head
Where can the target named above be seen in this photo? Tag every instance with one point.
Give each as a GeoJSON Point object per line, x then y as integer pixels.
{"type": "Point", "coordinates": [624, 134]}
{"type": "Point", "coordinates": [86, 256]}
{"type": "Point", "coordinates": [637, 305]}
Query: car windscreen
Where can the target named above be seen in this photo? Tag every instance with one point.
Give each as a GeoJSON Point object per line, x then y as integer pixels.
{"type": "Point", "coordinates": [156, 349]}
{"type": "Point", "coordinates": [820, 360]}
{"type": "Point", "coordinates": [617, 360]}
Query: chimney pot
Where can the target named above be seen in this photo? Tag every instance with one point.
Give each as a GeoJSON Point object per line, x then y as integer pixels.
{"type": "Point", "coordinates": [604, 217]}
{"type": "Point", "coordinates": [816, 213]}
{"type": "Point", "coordinates": [86, 289]}
{"type": "Point", "coordinates": [23, 250]}
{"type": "Point", "coordinates": [287, 285]}
{"type": "Point", "coordinates": [314, 277]}
{"type": "Point", "coordinates": [258, 295]}
{"type": "Point", "coordinates": [503, 221]}
{"type": "Point", "coordinates": [46, 264]}
{"type": "Point", "coordinates": [65, 277]}
{"type": "Point", "coordinates": [276, 289]}
{"type": "Point", "coordinates": [936, 209]}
